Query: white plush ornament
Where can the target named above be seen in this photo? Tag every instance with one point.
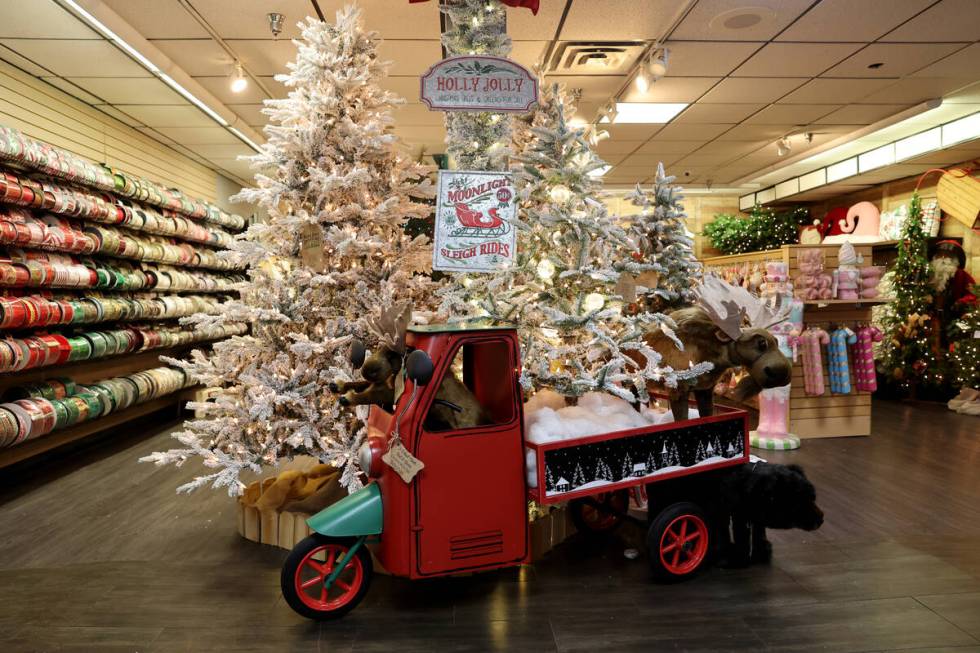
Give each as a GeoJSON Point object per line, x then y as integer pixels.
{"type": "Point", "coordinates": [560, 194]}
{"type": "Point", "coordinates": [546, 269]}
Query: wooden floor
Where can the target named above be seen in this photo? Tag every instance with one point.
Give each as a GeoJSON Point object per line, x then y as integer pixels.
{"type": "Point", "coordinates": [97, 553]}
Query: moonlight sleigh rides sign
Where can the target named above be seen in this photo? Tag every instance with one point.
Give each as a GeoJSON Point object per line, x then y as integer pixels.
{"type": "Point", "coordinates": [474, 221]}
{"type": "Point", "coordinates": [479, 83]}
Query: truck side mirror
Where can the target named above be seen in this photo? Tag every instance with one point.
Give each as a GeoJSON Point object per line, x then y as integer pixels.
{"type": "Point", "coordinates": [357, 353]}
{"type": "Point", "coordinates": [419, 367]}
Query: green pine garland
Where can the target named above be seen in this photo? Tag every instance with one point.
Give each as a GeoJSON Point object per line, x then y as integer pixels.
{"type": "Point", "coordinates": [764, 229]}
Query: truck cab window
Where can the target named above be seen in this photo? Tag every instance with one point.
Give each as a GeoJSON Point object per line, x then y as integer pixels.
{"type": "Point", "coordinates": [477, 389]}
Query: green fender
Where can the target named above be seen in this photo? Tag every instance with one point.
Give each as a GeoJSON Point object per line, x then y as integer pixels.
{"type": "Point", "coordinates": [353, 516]}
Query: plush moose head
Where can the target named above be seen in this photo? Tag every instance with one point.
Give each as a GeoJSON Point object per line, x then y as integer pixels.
{"type": "Point", "coordinates": [752, 347]}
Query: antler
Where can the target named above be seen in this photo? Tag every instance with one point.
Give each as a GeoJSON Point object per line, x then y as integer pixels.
{"type": "Point", "coordinates": [391, 325]}
{"type": "Point", "coordinates": [730, 306]}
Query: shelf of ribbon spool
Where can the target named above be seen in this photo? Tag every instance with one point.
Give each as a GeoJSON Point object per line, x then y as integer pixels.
{"type": "Point", "coordinates": [29, 153]}
{"type": "Point", "coordinates": [37, 311]}
{"type": "Point", "coordinates": [20, 228]}
{"type": "Point", "coordinates": [39, 416]}
{"type": "Point", "coordinates": [50, 197]}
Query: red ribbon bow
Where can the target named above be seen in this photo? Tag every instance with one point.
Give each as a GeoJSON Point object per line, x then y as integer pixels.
{"type": "Point", "coordinates": [529, 4]}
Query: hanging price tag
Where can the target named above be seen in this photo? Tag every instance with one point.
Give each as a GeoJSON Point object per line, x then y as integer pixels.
{"type": "Point", "coordinates": [626, 287]}
{"type": "Point", "coordinates": [311, 247]}
{"type": "Point", "coordinates": [399, 459]}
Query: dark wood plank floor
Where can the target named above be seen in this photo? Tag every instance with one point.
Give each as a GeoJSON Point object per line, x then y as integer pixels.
{"type": "Point", "coordinates": [98, 554]}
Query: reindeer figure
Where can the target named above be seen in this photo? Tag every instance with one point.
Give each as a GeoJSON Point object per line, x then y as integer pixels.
{"type": "Point", "coordinates": [715, 332]}
{"type": "Point", "coordinates": [454, 406]}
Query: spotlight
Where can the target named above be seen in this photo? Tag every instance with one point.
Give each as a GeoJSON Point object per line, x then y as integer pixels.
{"type": "Point", "coordinates": [658, 64]}
{"type": "Point", "coordinates": [275, 24]}
{"type": "Point", "coordinates": [783, 146]}
{"type": "Point", "coordinates": [238, 81]}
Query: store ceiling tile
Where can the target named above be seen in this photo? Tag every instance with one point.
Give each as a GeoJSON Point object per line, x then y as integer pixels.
{"type": "Point", "coordinates": [527, 53]}
{"type": "Point", "coordinates": [159, 19]}
{"type": "Point", "coordinates": [417, 114]}
{"type": "Point", "coordinates": [659, 147]}
{"type": "Point", "coordinates": [692, 131]}
{"type": "Point", "coordinates": [632, 132]}
{"type": "Point", "coordinates": [835, 91]}
{"type": "Point", "coordinates": [608, 147]}
{"type": "Point", "coordinates": [73, 90]}
{"type": "Point", "coordinates": [732, 20]}
{"type": "Point", "coordinates": [765, 90]}
{"type": "Point", "coordinates": [220, 87]}
{"type": "Point", "coordinates": [223, 151]}
{"type": "Point", "coordinates": [263, 57]}
{"type": "Point", "coordinates": [277, 88]}
{"type": "Point", "coordinates": [251, 114]}
{"type": "Point", "coordinates": [198, 57]}
{"type": "Point", "coordinates": [592, 86]}
{"type": "Point", "coordinates": [648, 161]}
{"type": "Point", "coordinates": [795, 59]}
{"type": "Point", "coordinates": [913, 90]}
{"type": "Point", "coordinates": [847, 20]}
{"type": "Point", "coordinates": [700, 159]}
{"type": "Point", "coordinates": [167, 115]}
{"type": "Point", "coordinates": [410, 57]}
{"type": "Point", "coordinates": [672, 89]}
{"type": "Point", "coordinates": [248, 19]}
{"type": "Point", "coordinates": [860, 114]}
{"type": "Point", "coordinates": [734, 148]}
{"type": "Point", "coordinates": [756, 132]}
{"type": "Point", "coordinates": [796, 114]}
{"type": "Point", "coordinates": [28, 66]}
{"type": "Point", "coordinates": [193, 136]}
{"type": "Point", "coordinates": [77, 58]}
{"type": "Point", "coordinates": [619, 20]}
{"type": "Point", "coordinates": [949, 20]}
{"type": "Point", "coordinates": [717, 113]}
{"type": "Point", "coordinates": [707, 59]}
{"type": "Point", "coordinates": [127, 90]}
{"type": "Point", "coordinates": [899, 59]}
{"type": "Point", "coordinates": [963, 63]}
{"type": "Point", "coordinates": [41, 19]}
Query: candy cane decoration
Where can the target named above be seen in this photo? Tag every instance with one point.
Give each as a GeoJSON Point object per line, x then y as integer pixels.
{"type": "Point", "coordinates": [840, 374]}
{"type": "Point", "coordinates": [810, 341]}
{"type": "Point", "coordinates": [865, 379]}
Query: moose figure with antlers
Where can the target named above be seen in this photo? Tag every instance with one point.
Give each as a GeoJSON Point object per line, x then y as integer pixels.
{"type": "Point", "coordinates": [454, 406]}
{"type": "Point", "coordinates": [727, 329]}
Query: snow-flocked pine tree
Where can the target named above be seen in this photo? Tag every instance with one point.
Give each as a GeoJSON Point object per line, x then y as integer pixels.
{"type": "Point", "coordinates": [329, 176]}
{"type": "Point", "coordinates": [665, 241]}
{"type": "Point", "coordinates": [563, 292]}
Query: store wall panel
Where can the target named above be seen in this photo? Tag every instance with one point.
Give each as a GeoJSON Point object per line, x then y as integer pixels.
{"type": "Point", "coordinates": [46, 113]}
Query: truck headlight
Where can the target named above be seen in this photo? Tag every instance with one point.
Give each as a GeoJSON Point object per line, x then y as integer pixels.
{"type": "Point", "coordinates": [369, 457]}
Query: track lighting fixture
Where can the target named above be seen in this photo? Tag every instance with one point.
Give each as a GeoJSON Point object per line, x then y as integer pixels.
{"type": "Point", "coordinates": [238, 80]}
{"type": "Point", "coordinates": [658, 63]}
{"type": "Point", "coordinates": [275, 24]}
{"type": "Point", "coordinates": [784, 146]}
{"type": "Point", "coordinates": [642, 83]}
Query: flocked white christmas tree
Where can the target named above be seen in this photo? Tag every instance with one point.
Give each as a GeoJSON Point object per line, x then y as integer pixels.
{"type": "Point", "coordinates": [332, 181]}
{"type": "Point", "coordinates": [574, 263]}
{"type": "Point", "coordinates": [665, 242]}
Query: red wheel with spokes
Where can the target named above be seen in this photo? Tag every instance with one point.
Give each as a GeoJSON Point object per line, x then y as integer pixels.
{"type": "Point", "coordinates": [306, 572]}
{"type": "Point", "coordinates": [600, 514]}
{"type": "Point", "coordinates": [678, 542]}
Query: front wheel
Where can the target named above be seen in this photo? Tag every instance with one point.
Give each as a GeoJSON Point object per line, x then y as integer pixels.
{"type": "Point", "coordinates": [678, 542]}
{"type": "Point", "coordinates": [307, 568]}
{"type": "Point", "coordinates": [601, 514]}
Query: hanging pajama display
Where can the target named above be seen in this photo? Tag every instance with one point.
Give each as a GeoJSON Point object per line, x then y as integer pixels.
{"type": "Point", "coordinates": [865, 379]}
{"type": "Point", "coordinates": [809, 342]}
{"type": "Point", "coordinates": [840, 374]}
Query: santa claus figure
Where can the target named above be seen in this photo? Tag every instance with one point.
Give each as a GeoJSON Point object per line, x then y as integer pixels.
{"type": "Point", "coordinates": [951, 284]}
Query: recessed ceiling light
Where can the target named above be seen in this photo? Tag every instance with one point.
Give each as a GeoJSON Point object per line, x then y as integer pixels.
{"type": "Point", "coordinates": [647, 112]}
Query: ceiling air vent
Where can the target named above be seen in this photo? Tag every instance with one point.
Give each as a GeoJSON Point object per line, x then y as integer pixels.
{"type": "Point", "coordinates": [603, 58]}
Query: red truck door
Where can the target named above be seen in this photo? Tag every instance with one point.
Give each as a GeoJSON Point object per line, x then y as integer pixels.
{"type": "Point", "coordinates": [471, 506]}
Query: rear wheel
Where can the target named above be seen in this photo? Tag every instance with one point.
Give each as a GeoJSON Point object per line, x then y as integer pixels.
{"type": "Point", "coordinates": [678, 542]}
{"type": "Point", "coordinates": [310, 563]}
{"type": "Point", "coordinates": [600, 514]}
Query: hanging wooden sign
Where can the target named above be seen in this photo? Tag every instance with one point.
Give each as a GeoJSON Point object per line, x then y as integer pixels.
{"type": "Point", "coordinates": [479, 83]}
{"type": "Point", "coordinates": [311, 247]}
{"type": "Point", "coordinates": [959, 196]}
{"type": "Point", "coordinates": [474, 230]}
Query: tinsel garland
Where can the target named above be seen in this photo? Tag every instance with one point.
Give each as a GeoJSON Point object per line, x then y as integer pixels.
{"type": "Point", "coordinates": [477, 141]}
{"type": "Point", "coordinates": [764, 229]}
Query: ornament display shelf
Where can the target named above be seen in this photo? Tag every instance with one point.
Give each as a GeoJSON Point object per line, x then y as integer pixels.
{"type": "Point", "coordinates": [69, 226]}
{"type": "Point", "coordinates": [827, 415]}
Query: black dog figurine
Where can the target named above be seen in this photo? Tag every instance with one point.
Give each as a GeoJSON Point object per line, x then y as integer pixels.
{"type": "Point", "coordinates": [757, 496]}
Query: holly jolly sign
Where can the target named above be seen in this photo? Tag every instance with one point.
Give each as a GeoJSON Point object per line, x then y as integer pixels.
{"type": "Point", "coordinates": [474, 231]}
{"type": "Point", "coordinates": [479, 83]}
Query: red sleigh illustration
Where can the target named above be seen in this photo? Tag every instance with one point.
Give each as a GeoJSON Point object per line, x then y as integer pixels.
{"type": "Point", "coordinates": [478, 225]}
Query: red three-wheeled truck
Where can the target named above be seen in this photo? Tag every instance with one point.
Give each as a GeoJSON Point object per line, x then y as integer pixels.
{"type": "Point", "coordinates": [466, 510]}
